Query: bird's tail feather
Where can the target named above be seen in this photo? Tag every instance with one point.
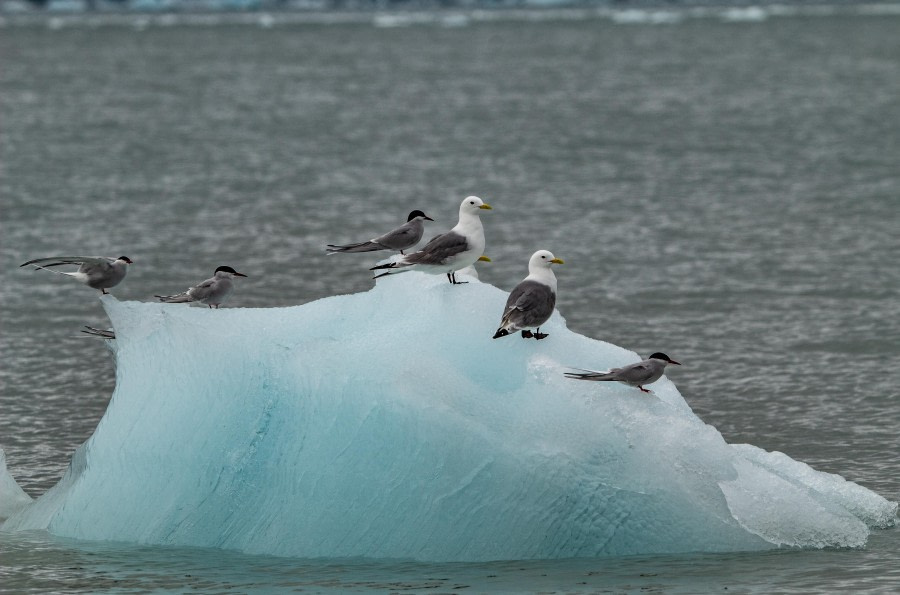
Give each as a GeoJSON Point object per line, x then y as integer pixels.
{"type": "Point", "coordinates": [44, 268]}
{"type": "Point", "coordinates": [178, 298]}
{"type": "Point", "coordinates": [588, 375]}
{"type": "Point", "coordinates": [358, 247]}
{"type": "Point", "coordinates": [97, 332]}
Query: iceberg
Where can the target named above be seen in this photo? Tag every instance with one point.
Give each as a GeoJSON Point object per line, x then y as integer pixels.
{"type": "Point", "coordinates": [389, 424]}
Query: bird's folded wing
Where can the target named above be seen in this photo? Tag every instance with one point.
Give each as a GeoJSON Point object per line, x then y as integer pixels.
{"type": "Point", "coordinates": [440, 249]}
{"type": "Point", "coordinates": [635, 373]}
{"type": "Point", "coordinates": [402, 237]}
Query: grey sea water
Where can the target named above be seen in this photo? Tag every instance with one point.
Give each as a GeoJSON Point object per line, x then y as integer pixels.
{"type": "Point", "coordinates": [727, 192]}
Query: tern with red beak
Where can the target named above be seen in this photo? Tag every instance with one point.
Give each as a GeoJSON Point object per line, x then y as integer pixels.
{"type": "Point", "coordinates": [98, 272]}
{"type": "Point", "coordinates": [646, 372]}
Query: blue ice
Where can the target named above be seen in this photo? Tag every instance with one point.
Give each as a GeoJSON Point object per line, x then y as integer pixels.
{"type": "Point", "coordinates": [389, 424]}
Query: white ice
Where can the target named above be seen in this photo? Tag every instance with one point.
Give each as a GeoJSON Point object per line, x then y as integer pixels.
{"type": "Point", "coordinates": [389, 424]}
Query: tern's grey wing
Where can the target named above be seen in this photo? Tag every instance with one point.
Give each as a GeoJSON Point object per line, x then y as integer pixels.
{"type": "Point", "coordinates": [529, 304]}
{"type": "Point", "coordinates": [637, 374]}
{"type": "Point", "coordinates": [405, 236]}
{"type": "Point", "coordinates": [440, 249]}
{"type": "Point", "coordinates": [95, 268]}
{"type": "Point", "coordinates": [203, 290]}
{"type": "Point", "coordinates": [103, 274]}
{"type": "Point", "coordinates": [53, 261]}
{"type": "Point", "coordinates": [193, 294]}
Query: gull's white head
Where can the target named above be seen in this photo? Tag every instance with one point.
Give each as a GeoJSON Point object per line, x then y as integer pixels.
{"type": "Point", "coordinates": [542, 259]}
{"type": "Point", "coordinates": [473, 205]}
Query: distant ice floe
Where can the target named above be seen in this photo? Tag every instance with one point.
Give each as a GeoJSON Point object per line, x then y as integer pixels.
{"type": "Point", "coordinates": [751, 14]}
{"type": "Point", "coordinates": [646, 17]}
{"type": "Point", "coordinates": [408, 19]}
{"type": "Point", "coordinates": [148, 13]}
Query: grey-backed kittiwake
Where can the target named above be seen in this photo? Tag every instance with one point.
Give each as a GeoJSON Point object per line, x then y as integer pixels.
{"type": "Point", "coordinates": [531, 302]}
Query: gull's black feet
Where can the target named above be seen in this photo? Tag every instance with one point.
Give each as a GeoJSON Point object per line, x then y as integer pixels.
{"type": "Point", "coordinates": [452, 278]}
{"type": "Point", "coordinates": [535, 335]}
{"type": "Point", "coordinates": [645, 390]}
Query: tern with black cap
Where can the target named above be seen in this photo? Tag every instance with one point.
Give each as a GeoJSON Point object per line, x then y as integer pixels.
{"type": "Point", "coordinates": [212, 292]}
{"type": "Point", "coordinates": [645, 372]}
{"type": "Point", "coordinates": [98, 272]}
{"type": "Point", "coordinates": [402, 238]}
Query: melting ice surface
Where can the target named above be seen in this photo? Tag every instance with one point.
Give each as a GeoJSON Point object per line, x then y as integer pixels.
{"type": "Point", "coordinates": [389, 424]}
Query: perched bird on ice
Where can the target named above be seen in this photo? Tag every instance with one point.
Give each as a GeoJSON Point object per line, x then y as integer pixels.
{"type": "Point", "coordinates": [531, 302]}
{"type": "Point", "coordinates": [211, 292]}
{"type": "Point", "coordinates": [645, 372]}
{"type": "Point", "coordinates": [449, 252]}
{"type": "Point", "coordinates": [99, 272]}
{"type": "Point", "coordinates": [401, 238]}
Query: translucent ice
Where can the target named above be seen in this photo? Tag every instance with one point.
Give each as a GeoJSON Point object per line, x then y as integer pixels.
{"type": "Point", "coordinates": [390, 424]}
{"type": "Point", "coordinates": [12, 497]}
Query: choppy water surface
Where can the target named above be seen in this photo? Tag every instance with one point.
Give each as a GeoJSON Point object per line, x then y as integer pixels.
{"type": "Point", "coordinates": [728, 193]}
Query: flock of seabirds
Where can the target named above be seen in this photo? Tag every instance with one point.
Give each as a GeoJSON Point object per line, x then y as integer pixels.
{"type": "Point", "coordinates": [530, 303]}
